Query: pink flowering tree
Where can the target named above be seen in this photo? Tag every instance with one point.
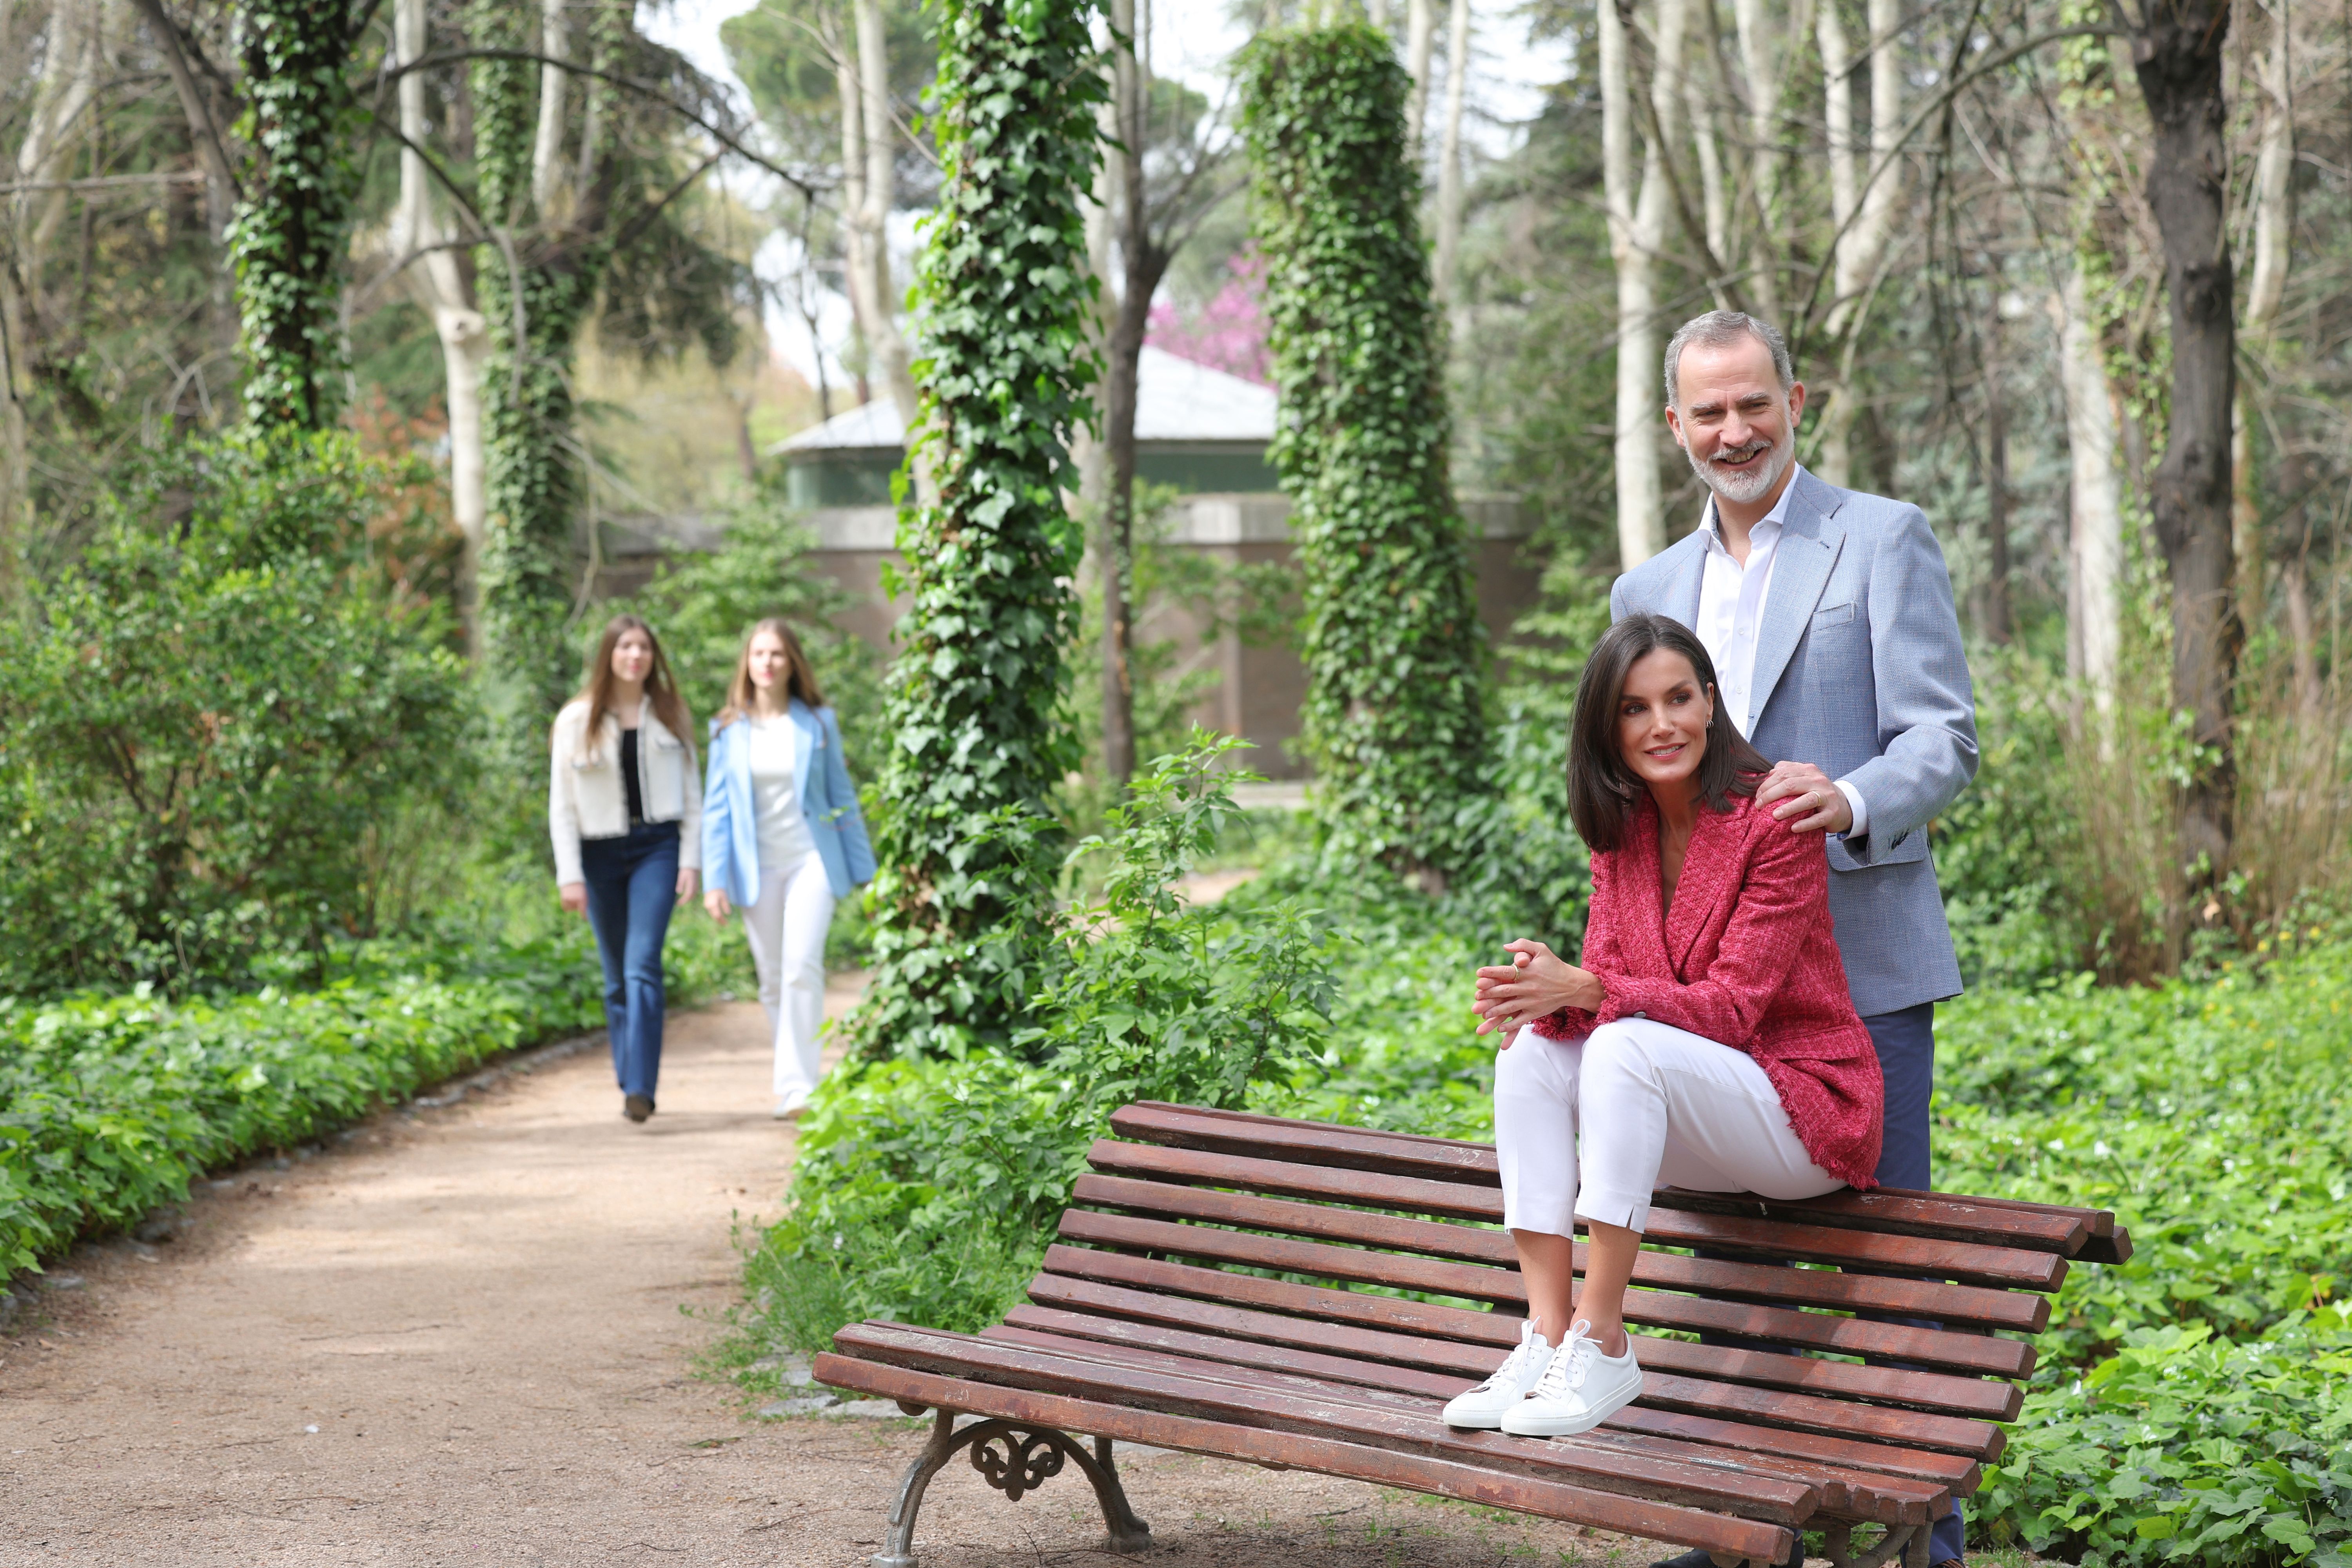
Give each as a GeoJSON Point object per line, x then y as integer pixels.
{"type": "Point", "coordinates": [1228, 333]}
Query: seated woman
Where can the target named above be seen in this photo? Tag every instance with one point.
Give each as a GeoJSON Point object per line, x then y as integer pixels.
{"type": "Point", "coordinates": [1707, 1041]}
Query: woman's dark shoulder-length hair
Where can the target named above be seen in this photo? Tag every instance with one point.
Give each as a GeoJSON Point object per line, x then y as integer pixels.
{"type": "Point", "coordinates": [1602, 792]}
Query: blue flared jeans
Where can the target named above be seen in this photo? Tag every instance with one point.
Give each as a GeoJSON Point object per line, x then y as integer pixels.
{"type": "Point", "coordinates": [632, 887]}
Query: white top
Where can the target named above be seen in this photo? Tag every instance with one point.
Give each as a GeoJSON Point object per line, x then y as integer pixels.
{"type": "Point", "coordinates": [784, 834]}
{"type": "Point", "coordinates": [1731, 612]}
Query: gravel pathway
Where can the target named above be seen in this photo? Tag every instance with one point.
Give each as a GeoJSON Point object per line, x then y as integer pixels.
{"type": "Point", "coordinates": [467, 1335]}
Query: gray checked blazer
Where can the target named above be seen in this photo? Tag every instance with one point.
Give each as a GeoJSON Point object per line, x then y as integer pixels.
{"type": "Point", "coordinates": [1859, 672]}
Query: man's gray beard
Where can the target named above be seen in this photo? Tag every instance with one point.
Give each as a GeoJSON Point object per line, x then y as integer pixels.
{"type": "Point", "coordinates": [1744, 484]}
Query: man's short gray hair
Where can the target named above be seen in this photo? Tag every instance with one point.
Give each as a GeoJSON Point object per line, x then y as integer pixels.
{"type": "Point", "coordinates": [1721, 330]}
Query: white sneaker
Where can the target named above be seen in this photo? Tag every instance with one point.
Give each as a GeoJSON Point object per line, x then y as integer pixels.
{"type": "Point", "coordinates": [1579, 1390]}
{"type": "Point", "coordinates": [1482, 1408]}
{"type": "Point", "coordinates": [792, 1107]}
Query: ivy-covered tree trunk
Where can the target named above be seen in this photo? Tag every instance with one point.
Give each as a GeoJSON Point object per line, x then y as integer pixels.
{"type": "Point", "coordinates": [535, 287]}
{"type": "Point", "coordinates": [966, 847]}
{"type": "Point", "coordinates": [287, 238]}
{"type": "Point", "coordinates": [1393, 648]}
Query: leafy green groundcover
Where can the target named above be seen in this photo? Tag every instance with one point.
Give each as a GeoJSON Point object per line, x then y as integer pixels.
{"type": "Point", "coordinates": [110, 1105]}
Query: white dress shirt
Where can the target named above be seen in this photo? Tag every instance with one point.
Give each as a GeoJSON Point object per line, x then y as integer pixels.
{"type": "Point", "coordinates": [1731, 599]}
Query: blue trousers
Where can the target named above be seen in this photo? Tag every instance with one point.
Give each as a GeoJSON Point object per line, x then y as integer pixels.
{"type": "Point", "coordinates": [1906, 1059]}
{"type": "Point", "coordinates": [632, 887]}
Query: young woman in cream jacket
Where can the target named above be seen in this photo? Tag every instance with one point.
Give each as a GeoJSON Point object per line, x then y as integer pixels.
{"type": "Point", "coordinates": [624, 811]}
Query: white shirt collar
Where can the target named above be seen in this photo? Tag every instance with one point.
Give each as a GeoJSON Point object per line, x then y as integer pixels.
{"type": "Point", "coordinates": [1773, 520]}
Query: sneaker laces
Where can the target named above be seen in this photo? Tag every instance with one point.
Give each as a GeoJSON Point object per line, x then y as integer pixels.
{"type": "Point", "coordinates": [1566, 1372]}
{"type": "Point", "coordinates": [1513, 1365]}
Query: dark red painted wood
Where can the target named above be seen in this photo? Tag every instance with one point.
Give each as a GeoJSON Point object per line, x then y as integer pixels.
{"type": "Point", "coordinates": [1806, 1410]}
{"type": "Point", "coordinates": [1470, 1483]}
{"type": "Point", "coordinates": [1761, 1283]}
{"type": "Point", "coordinates": [1989, 1399]}
{"type": "Point", "coordinates": [2000, 1267]}
{"type": "Point", "coordinates": [1359, 1415]}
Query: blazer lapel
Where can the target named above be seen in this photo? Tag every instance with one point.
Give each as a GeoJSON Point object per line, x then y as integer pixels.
{"type": "Point", "coordinates": [1642, 933]}
{"type": "Point", "coordinates": [1682, 593]}
{"type": "Point", "coordinates": [1809, 540]}
{"type": "Point", "coordinates": [1711, 868]}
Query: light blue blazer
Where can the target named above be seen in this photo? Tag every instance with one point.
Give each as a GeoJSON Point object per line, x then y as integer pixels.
{"type": "Point", "coordinates": [731, 828]}
{"type": "Point", "coordinates": [1859, 672]}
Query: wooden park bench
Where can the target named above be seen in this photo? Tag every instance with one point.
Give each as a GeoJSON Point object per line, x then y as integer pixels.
{"type": "Point", "coordinates": [1177, 1311]}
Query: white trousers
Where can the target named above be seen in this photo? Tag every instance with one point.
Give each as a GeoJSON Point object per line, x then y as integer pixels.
{"type": "Point", "coordinates": [1585, 1128]}
{"type": "Point", "coordinates": [787, 927]}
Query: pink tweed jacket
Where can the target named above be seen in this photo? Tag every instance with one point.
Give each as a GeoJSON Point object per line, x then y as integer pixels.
{"type": "Point", "coordinates": [1747, 956]}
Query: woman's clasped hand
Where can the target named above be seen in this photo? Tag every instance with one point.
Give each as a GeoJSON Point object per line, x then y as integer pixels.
{"type": "Point", "coordinates": [1536, 983]}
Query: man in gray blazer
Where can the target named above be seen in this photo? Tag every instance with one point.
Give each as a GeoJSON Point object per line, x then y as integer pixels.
{"type": "Point", "coordinates": [1828, 615]}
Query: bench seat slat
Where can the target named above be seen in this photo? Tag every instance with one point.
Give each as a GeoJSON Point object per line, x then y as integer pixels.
{"type": "Point", "coordinates": [2000, 1267]}
{"type": "Point", "coordinates": [1754, 1282]}
{"type": "Point", "coordinates": [1978, 1439]}
{"type": "Point", "coordinates": [2060, 1231]}
{"type": "Point", "coordinates": [1381, 1466]}
{"type": "Point", "coordinates": [1845, 1493]}
{"type": "Point", "coordinates": [1356, 1416]}
{"type": "Point", "coordinates": [1949, 1472]}
{"type": "Point", "coordinates": [1991, 1399]}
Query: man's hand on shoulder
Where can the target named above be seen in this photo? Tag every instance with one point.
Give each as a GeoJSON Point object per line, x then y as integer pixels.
{"type": "Point", "coordinates": [1806, 798]}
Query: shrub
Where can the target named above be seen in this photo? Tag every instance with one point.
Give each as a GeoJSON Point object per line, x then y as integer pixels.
{"type": "Point", "coordinates": [204, 731]}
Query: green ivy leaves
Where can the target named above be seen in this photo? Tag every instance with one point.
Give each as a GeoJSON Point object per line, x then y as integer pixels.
{"type": "Point", "coordinates": [1393, 647]}
{"type": "Point", "coordinates": [975, 708]}
{"type": "Point", "coordinates": [286, 240]}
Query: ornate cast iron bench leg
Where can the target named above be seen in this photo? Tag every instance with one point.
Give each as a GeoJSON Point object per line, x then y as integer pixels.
{"type": "Point", "coordinates": [1015, 1460]}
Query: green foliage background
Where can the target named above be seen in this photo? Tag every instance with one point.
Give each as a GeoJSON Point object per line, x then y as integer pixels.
{"type": "Point", "coordinates": [210, 729]}
{"type": "Point", "coordinates": [979, 739]}
{"type": "Point", "coordinates": [1391, 635]}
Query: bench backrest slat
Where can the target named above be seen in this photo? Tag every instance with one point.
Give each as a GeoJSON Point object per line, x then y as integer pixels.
{"type": "Point", "coordinates": [2000, 1267]}
{"type": "Point", "coordinates": [1757, 1283]}
{"type": "Point", "coordinates": [2059, 1231]}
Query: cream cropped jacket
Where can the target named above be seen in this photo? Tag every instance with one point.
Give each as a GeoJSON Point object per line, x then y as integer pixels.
{"type": "Point", "coordinates": [585, 798]}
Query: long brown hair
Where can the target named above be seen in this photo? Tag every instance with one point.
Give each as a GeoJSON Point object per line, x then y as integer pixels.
{"type": "Point", "coordinates": [1601, 790]}
{"type": "Point", "coordinates": [800, 676]}
{"type": "Point", "coordinates": [661, 690]}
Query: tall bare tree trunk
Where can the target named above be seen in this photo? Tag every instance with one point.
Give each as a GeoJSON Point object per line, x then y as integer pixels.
{"type": "Point", "coordinates": [2094, 505]}
{"type": "Point", "coordinates": [1139, 278]}
{"type": "Point", "coordinates": [1993, 596]}
{"type": "Point", "coordinates": [1637, 217]}
{"type": "Point", "coordinates": [1449, 156]}
{"type": "Point", "coordinates": [1759, 60]}
{"type": "Point", "coordinates": [2177, 52]}
{"type": "Point", "coordinates": [2274, 216]}
{"type": "Point", "coordinates": [1862, 202]}
{"type": "Point", "coordinates": [1420, 27]}
{"type": "Point", "coordinates": [436, 279]}
{"type": "Point", "coordinates": [868, 148]}
{"type": "Point", "coordinates": [547, 170]}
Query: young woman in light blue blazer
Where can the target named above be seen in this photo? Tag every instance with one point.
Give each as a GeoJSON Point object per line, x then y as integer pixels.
{"type": "Point", "coordinates": [782, 840]}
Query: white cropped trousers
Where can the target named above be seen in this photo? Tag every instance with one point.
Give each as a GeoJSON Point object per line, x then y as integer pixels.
{"type": "Point", "coordinates": [1585, 1128]}
{"type": "Point", "coordinates": [787, 928]}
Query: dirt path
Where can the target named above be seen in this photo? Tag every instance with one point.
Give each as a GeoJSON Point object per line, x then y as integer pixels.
{"type": "Point", "coordinates": [457, 1337]}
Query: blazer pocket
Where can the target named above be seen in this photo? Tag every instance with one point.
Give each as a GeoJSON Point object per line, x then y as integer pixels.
{"type": "Point", "coordinates": [1912, 846]}
{"type": "Point", "coordinates": [1833, 614]}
